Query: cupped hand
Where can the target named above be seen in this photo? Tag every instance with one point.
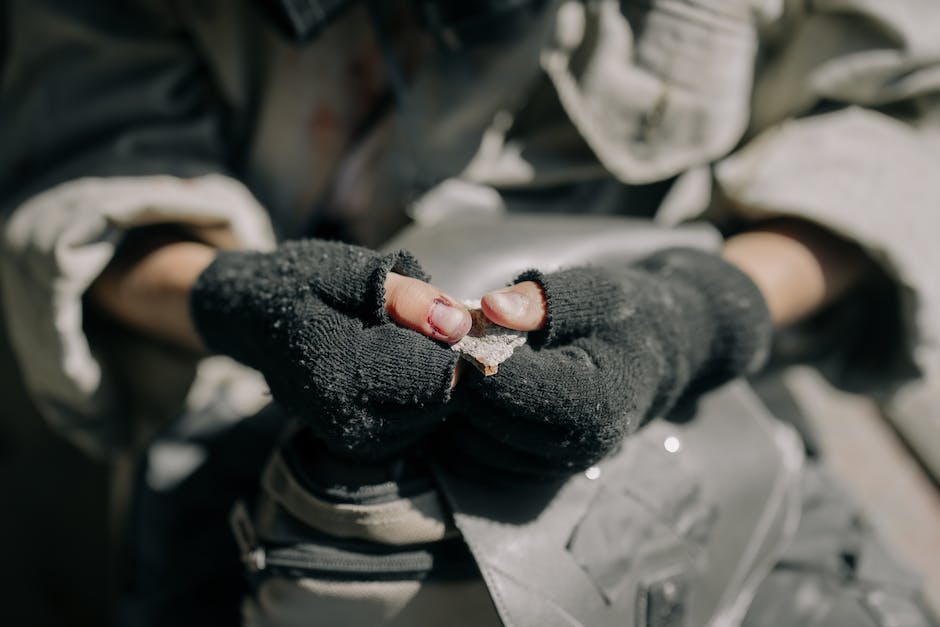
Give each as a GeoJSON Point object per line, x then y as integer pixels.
{"type": "Point", "coordinates": [609, 348]}
{"type": "Point", "coordinates": [332, 328]}
{"type": "Point", "coordinates": [420, 306]}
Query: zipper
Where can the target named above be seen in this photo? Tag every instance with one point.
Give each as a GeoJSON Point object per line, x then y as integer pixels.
{"type": "Point", "coordinates": [315, 560]}
{"type": "Point", "coordinates": [311, 562]}
{"type": "Point", "coordinates": [252, 553]}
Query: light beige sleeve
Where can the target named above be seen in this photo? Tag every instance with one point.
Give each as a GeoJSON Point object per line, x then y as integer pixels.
{"type": "Point", "coordinates": [655, 88]}
{"type": "Point", "coordinates": [845, 132]}
{"type": "Point", "coordinates": [867, 177]}
{"type": "Point", "coordinates": [57, 243]}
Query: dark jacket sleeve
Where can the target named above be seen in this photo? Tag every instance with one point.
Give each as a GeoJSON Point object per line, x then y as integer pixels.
{"type": "Point", "coordinates": [103, 88]}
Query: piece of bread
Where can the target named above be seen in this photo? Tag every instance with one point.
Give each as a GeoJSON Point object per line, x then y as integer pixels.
{"type": "Point", "coordinates": [487, 345]}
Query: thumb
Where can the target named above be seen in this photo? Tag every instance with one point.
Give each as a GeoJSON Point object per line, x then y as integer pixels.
{"type": "Point", "coordinates": [520, 307]}
{"type": "Point", "coordinates": [422, 307]}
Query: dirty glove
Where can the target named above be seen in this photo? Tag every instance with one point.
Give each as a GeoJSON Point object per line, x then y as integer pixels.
{"type": "Point", "coordinates": [620, 346]}
{"type": "Point", "coordinates": [311, 317]}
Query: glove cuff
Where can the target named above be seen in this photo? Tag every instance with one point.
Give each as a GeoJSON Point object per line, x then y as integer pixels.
{"type": "Point", "coordinates": [400, 262]}
{"type": "Point", "coordinates": [351, 278]}
{"type": "Point", "coordinates": [218, 296]}
{"type": "Point", "coordinates": [741, 325]}
{"type": "Point", "coordinates": [721, 305]}
{"type": "Point", "coordinates": [566, 294]}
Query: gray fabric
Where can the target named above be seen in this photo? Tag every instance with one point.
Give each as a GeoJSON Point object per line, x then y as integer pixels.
{"type": "Point", "coordinates": [915, 413]}
{"type": "Point", "coordinates": [54, 248]}
{"type": "Point", "coordinates": [840, 162]}
{"type": "Point", "coordinates": [836, 572]}
{"type": "Point", "coordinates": [90, 92]}
{"type": "Point", "coordinates": [129, 93]}
{"type": "Point", "coordinates": [621, 345]}
{"type": "Point", "coordinates": [671, 503]}
{"type": "Point", "coordinates": [655, 88]}
{"type": "Point", "coordinates": [689, 105]}
{"type": "Point", "coordinates": [450, 249]}
{"type": "Point", "coordinates": [295, 603]}
{"type": "Point", "coordinates": [407, 520]}
{"type": "Point", "coordinates": [706, 503]}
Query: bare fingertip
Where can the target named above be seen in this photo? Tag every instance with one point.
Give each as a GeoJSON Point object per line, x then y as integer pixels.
{"type": "Point", "coordinates": [508, 305]}
{"type": "Point", "coordinates": [448, 321]}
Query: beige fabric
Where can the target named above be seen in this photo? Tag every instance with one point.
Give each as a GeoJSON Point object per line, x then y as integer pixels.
{"type": "Point", "coordinates": [304, 602]}
{"type": "Point", "coordinates": [844, 163]}
{"type": "Point", "coordinates": [655, 102]}
{"type": "Point", "coordinates": [915, 413]}
{"type": "Point", "coordinates": [658, 89]}
{"type": "Point", "coordinates": [665, 88]}
{"type": "Point", "coordinates": [416, 519]}
{"type": "Point", "coordinates": [56, 244]}
{"type": "Point", "coordinates": [639, 90]}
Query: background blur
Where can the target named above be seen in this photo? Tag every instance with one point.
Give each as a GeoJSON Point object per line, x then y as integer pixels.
{"type": "Point", "coordinates": [54, 527]}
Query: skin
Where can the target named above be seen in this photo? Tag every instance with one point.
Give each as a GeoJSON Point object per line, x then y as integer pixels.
{"type": "Point", "coordinates": [150, 293]}
{"type": "Point", "coordinates": [798, 267]}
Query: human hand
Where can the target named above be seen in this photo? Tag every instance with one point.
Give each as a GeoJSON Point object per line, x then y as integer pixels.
{"type": "Point", "coordinates": [318, 319]}
{"type": "Point", "coordinates": [521, 306]}
{"type": "Point", "coordinates": [609, 348]}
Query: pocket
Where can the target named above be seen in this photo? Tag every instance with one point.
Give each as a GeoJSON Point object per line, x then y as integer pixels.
{"type": "Point", "coordinates": [624, 547]}
{"type": "Point", "coordinates": [645, 532]}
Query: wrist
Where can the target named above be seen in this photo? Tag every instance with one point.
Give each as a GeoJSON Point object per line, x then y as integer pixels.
{"type": "Point", "coordinates": [799, 267]}
{"type": "Point", "coordinates": [149, 289]}
{"type": "Point", "coordinates": [731, 324]}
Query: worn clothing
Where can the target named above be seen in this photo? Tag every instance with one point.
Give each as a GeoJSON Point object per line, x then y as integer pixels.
{"type": "Point", "coordinates": [310, 316]}
{"type": "Point", "coordinates": [621, 345]}
{"type": "Point", "coordinates": [201, 114]}
{"type": "Point", "coordinates": [194, 112]}
{"type": "Point", "coordinates": [835, 564]}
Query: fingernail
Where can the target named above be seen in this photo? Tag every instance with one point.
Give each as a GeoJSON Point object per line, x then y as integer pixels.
{"type": "Point", "coordinates": [510, 304]}
{"type": "Point", "coordinates": [449, 321]}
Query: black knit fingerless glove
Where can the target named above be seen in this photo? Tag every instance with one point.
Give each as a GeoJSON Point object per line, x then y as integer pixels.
{"type": "Point", "coordinates": [310, 316]}
{"type": "Point", "coordinates": [621, 346]}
